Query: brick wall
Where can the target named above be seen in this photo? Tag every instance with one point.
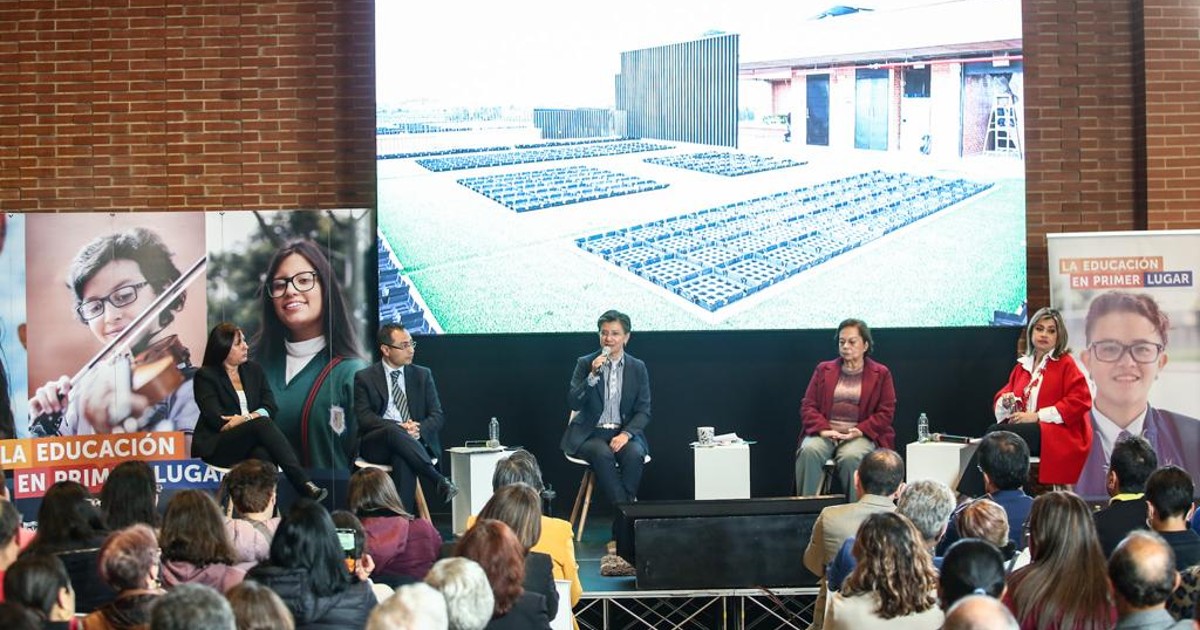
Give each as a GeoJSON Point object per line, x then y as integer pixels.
{"type": "Point", "coordinates": [236, 104]}
{"type": "Point", "coordinates": [186, 105]}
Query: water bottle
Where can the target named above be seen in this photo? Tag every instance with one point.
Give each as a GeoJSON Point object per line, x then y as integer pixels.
{"type": "Point", "coordinates": [493, 433]}
{"type": "Point", "coordinates": [923, 428]}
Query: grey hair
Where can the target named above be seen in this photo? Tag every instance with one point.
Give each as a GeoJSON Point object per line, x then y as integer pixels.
{"type": "Point", "coordinates": [980, 612]}
{"type": "Point", "coordinates": [928, 505]}
{"type": "Point", "coordinates": [413, 607]}
{"type": "Point", "coordinates": [469, 598]}
{"type": "Point", "coordinates": [192, 606]}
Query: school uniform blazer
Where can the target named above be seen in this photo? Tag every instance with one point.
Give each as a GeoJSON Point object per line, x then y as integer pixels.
{"type": "Point", "coordinates": [588, 401]}
{"type": "Point", "coordinates": [372, 391]}
{"type": "Point", "coordinates": [216, 397]}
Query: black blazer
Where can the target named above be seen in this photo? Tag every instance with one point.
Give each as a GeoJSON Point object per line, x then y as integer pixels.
{"type": "Point", "coordinates": [372, 392]}
{"type": "Point", "coordinates": [539, 578]}
{"type": "Point", "coordinates": [528, 613]}
{"type": "Point", "coordinates": [588, 401]}
{"type": "Point", "coordinates": [215, 397]}
{"type": "Point", "coordinates": [1115, 522]}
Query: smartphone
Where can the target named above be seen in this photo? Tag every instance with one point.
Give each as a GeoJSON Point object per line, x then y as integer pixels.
{"type": "Point", "coordinates": [346, 539]}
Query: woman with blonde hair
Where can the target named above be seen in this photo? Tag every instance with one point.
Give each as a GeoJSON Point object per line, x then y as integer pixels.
{"type": "Point", "coordinates": [256, 607]}
{"type": "Point", "coordinates": [403, 547]}
{"type": "Point", "coordinates": [894, 583]}
{"type": "Point", "coordinates": [984, 519]}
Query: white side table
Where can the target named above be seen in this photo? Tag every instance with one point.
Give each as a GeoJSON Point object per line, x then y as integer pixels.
{"type": "Point", "coordinates": [472, 470]}
{"type": "Point", "coordinates": [722, 472]}
{"type": "Point", "coordinates": [939, 461]}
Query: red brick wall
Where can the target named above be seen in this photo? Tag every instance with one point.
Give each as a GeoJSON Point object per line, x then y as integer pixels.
{"type": "Point", "coordinates": [186, 105]}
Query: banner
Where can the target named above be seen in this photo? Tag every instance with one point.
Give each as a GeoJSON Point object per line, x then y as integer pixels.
{"type": "Point", "coordinates": [1132, 312]}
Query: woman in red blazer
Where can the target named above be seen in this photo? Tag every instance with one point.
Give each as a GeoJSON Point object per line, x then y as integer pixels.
{"type": "Point", "coordinates": [1046, 401]}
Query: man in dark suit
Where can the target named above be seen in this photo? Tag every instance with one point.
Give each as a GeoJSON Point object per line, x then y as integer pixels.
{"type": "Point", "coordinates": [610, 401]}
{"type": "Point", "coordinates": [399, 416]}
{"type": "Point", "coordinates": [1169, 492]}
{"type": "Point", "coordinates": [1133, 460]}
{"type": "Point", "coordinates": [1003, 459]}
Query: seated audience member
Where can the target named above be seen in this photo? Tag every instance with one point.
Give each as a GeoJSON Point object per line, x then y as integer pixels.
{"type": "Point", "coordinates": [519, 506]}
{"type": "Point", "coordinates": [129, 564]}
{"type": "Point", "coordinates": [496, 548]}
{"type": "Point", "coordinates": [10, 524]}
{"type": "Point", "coordinates": [24, 536]}
{"type": "Point", "coordinates": [358, 561]}
{"type": "Point", "coordinates": [71, 527]}
{"type": "Point", "coordinates": [1169, 503]}
{"type": "Point", "coordinates": [39, 582]}
{"type": "Point", "coordinates": [192, 607]}
{"type": "Point", "coordinates": [979, 612]}
{"type": "Point", "coordinates": [1131, 465]}
{"type": "Point", "coordinates": [256, 607]}
{"type": "Point", "coordinates": [195, 545]}
{"type": "Point", "coordinates": [1142, 570]}
{"type": "Point", "coordinates": [402, 546]}
{"type": "Point", "coordinates": [894, 583]}
{"type": "Point", "coordinates": [557, 539]}
{"type": "Point", "coordinates": [307, 569]}
{"type": "Point", "coordinates": [926, 503]}
{"type": "Point", "coordinates": [469, 599]}
{"type": "Point", "coordinates": [1004, 463]}
{"type": "Point", "coordinates": [971, 566]}
{"type": "Point", "coordinates": [1065, 584]}
{"type": "Point", "coordinates": [414, 607]}
{"type": "Point", "coordinates": [986, 520]}
{"type": "Point", "coordinates": [130, 496]}
{"type": "Point", "coordinates": [17, 617]}
{"type": "Point", "coordinates": [252, 486]}
{"type": "Point", "coordinates": [878, 478]}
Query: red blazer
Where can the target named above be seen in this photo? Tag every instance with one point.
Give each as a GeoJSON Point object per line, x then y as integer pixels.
{"type": "Point", "coordinates": [1064, 446]}
{"type": "Point", "coordinates": [876, 403]}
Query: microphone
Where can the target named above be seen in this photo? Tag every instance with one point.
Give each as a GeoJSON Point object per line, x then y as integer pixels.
{"type": "Point", "coordinates": [606, 351]}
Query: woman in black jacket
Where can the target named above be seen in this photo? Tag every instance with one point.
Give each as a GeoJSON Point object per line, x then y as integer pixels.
{"type": "Point", "coordinates": [236, 406]}
{"type": "Point", "coordinates": [307, 570]}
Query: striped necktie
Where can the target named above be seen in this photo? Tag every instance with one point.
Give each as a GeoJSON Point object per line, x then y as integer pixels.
{"type": "Point", "coordinates": [399, 398]}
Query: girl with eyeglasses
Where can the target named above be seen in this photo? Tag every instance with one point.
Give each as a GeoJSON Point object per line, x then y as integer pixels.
{"type": "Point", "coordinates": [308, 346]}
{"type": "Point", "coordinates": [1126, 350]}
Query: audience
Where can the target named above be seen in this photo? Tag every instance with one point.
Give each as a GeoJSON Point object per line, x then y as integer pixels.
{"type": "Point", "coordinates": [70, 526]}
{"type": "Point", "coordinates": [979, 612]}
{"type": "Point", "coordinates": [306, 568]}
{"type": "Point", "coordinates": [24, 536]}
{"type": "Point", "coordinates": [927, 504]}
{"type": "Point", "coordinates": [14, 616]}
{"type": "Point", "coordinates": [894, 583]}
{"type": "Point", "coordinates": [557, 539]}
{"type": "Point", "coordinates": [468, 594]}
{"type": "Point", "coordinates": [192, 607]}
{"type": "Point", "coordinates": [1132, 462]}
{"type": "Point", "coordinates": [414, 607]}
{"type": "Point", "coordinates": [1062, 543]}
{"type": "Point", "coordinates": [195, 544]}
{"type": "Point", "coordinates": [1004, 462]}
{"type": "Point", "coordinates": [256, 607]}
{"type": "Point", "coordinates": [496, 548]}
{"type": "Point", "coordinates": [251, 486]}
{"type": "Point", "coordinates": [129, 564]}
{"type": "Point", "coordinates": [1169, 503]}
{"type": "Point", "coordinates": [520, 507]}
{"type": "Point", "coordinates": [10, 524]}
{"type": "Point", "coordinates": [402, 546]}
{"type": "Point", "coordinates": [1142, 570]}
{"type": "Point", "coordinates": [39, 582]}
{"type": "Point", "coordinates": [971, 566]}
{"type": "Point", "coordinates": [130, 496]}
{"type": "Point", "coordinates": [877, 479]}
{"type": "Point", "coordinates": [359, 562]}
{"type": "Point", "coordinates": [983, 518]}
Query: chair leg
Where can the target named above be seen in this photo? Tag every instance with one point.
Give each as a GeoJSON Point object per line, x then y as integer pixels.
{"type": "Point", "coordinates": [578, 505]}
{"type": "Point", "coordinates": [422, 506]}
{"type": "Point", "coordinates": [589, 479]}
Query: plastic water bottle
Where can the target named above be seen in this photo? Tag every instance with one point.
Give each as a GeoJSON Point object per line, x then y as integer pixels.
{"type": "Point", "coordinates": [923, 428]}
{"type": "Point", "coordinates": [494, 432]}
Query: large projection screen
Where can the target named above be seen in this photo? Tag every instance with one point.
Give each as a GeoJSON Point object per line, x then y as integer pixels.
{"type": "Point", "coordinates": [702, 165]}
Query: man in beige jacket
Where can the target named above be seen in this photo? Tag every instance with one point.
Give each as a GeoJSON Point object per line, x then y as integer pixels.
{"type": "Point", "coordinates": [877, 481]}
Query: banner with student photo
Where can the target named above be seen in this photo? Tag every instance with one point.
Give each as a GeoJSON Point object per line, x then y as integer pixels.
{"type": "Point", "coordinates": [1132, 312]}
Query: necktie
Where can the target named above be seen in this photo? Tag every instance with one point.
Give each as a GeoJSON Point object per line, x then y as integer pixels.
{"type": "Point", "coordinates": [1123, 435]}
{"type": "Point", "coordinates": [399, 398]}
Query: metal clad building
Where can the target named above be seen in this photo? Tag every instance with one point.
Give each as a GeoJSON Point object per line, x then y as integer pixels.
{"type": "Point", "coordinates": [685, 92]}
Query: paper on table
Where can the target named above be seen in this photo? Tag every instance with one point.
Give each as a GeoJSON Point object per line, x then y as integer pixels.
{"type": "Point", "coordinates": [726, 438]}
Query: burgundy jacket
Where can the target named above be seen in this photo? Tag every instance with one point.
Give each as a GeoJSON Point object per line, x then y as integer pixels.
{"type": "Point", "coordinates": [876, 404]}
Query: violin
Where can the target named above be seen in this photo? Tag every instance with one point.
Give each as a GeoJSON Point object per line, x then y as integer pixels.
{"type": "Point", "coordinates": [156, 370]}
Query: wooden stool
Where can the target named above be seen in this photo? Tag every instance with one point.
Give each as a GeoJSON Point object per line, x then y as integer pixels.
{"type": "Point", "coordinates": [583, 498]}
{"type": "Point", "coordinates": [419, 497]}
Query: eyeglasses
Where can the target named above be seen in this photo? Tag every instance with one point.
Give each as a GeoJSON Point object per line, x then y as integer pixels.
{"type": "Point", "coordinates": [402, 346]}
{"type": "Point", "coordinates": [1112, 351]}
{"type": "Point", "coordinates": [303, 282]}
{"type": "Point", "coordinates": [122, 297]}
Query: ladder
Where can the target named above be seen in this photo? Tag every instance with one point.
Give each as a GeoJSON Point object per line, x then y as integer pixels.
{"type": "Point", "coordinates": [1003, 134]}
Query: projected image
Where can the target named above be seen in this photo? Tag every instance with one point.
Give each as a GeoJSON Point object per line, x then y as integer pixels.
{"type": "Point", "coordinates": [706, 165]}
